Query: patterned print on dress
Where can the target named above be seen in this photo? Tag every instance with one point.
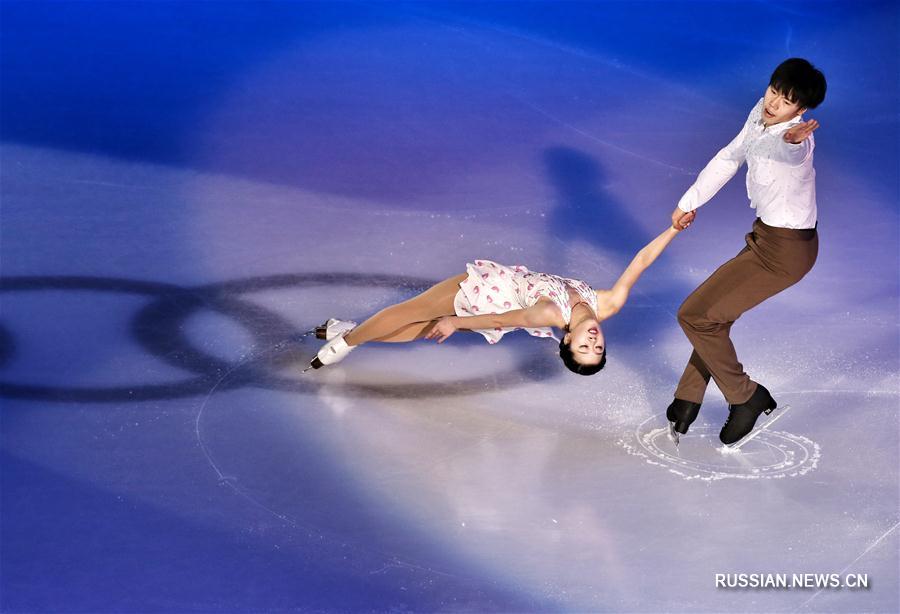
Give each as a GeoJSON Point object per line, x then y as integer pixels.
{"type": "Point", "coordinates": [495, 288]}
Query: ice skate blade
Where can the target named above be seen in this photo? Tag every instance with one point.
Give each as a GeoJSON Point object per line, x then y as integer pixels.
{"type": "Point", "coordinates": [736, 446]}
{"type": "Point", "coordinates": [673, 434]}
{"type": "Point", "coordinates": [315, 363]}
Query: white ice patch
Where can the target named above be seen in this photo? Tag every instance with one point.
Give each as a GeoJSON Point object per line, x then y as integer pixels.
{"type": "Point", "coordinates": [769, 455]}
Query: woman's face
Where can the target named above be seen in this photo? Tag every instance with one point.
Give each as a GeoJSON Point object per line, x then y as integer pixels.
{"type": "Point", "coordinates": [586, 342]}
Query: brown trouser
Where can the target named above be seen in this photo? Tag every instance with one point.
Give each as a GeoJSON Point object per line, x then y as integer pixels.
{"type": "Point", "coordinates": [774, 259]}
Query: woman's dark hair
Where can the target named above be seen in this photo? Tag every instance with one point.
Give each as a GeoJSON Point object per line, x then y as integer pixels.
{"type": "Point", "coordinates": [800, 82]}
{"type": "Point", "coordinates": [565, 352]}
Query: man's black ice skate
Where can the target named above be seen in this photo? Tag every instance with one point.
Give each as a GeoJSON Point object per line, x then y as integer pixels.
{"type": "Point", "coordinates": [742, 418]}
{"type": "Point", "coordinates": [681, 414]}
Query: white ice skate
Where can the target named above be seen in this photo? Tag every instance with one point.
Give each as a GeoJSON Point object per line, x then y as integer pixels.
{"type": "Point", "coordinates": [335, 349]}
{"type": "Point", "coordinates": [334, 327]}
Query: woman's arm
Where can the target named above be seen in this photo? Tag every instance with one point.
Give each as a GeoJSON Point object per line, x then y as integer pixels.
{"type": "Point", "coordinates": [541, 314]}
{"type": "Point", "coordinates": [615, 297]}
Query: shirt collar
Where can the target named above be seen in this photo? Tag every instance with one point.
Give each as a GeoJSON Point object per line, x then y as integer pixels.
{"type": "Point", "coordinates": [779, 126]}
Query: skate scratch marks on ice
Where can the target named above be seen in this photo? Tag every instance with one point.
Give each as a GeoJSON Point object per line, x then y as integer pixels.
{"type": "Point", "coordinates": [597, 139]}
{"type": "Point", "coordinates": [232, 481]}
{"type": "Point", "coordinates": [853, 562]}
{"type": "Point", "coordinates": [698, 457]}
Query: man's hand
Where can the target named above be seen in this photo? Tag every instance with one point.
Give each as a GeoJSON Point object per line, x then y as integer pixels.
{"type": "Point", "coordinates": [443, 329]}
{"type": "Point", "coordinates": [681, 220]}
{"type": "Point", "coordinates": [800, 132]}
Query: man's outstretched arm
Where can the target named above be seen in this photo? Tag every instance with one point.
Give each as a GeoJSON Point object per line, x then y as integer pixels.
{"type": "Point", "coordinates": [796, 143]}
{"type": "Point", "coordinates": [716, 173]}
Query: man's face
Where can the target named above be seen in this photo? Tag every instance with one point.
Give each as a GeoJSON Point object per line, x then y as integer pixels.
{"type": "Point", "coordinates": [777, 108]}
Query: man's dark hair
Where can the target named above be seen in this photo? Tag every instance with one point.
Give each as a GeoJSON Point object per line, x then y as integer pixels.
{"type": "Point", "coordinates": [565, 352]}
{"type": "Point", "coordinates": [800, 82]}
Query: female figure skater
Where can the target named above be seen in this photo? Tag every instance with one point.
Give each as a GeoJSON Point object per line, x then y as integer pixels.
{"type": "Point", "coordinates": [494, 299]}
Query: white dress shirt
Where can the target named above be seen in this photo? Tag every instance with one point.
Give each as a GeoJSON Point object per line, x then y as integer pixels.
{"type": "Point", "coordinates": [781, 180]}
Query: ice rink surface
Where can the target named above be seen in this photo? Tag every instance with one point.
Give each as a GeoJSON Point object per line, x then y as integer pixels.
{"type": "Point", "coordinates": [187, 188]}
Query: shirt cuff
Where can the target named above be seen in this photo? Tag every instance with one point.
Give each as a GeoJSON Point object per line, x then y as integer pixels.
{"type": "Point", "coordinates": [685, 203]}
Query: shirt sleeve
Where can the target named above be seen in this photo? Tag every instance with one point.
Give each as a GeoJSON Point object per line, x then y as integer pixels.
{"type": "Point", "coordinates": [792, 154]}
{"type": "Point", "coordinates": [721, 168]}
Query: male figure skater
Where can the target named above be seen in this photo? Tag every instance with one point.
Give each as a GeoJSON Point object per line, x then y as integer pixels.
{"type": "Point", "coordinates": [781, 248]}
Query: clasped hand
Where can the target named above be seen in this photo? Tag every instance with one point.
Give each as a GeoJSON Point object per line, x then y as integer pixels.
{"type": "Point", "coordinates": [681, 220]}
{"type": "Point", "coordinates": [442, 330]}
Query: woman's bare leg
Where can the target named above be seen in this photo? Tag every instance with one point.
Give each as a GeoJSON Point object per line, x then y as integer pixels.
{"type": "Point", "coordinates": [432, 304]}
{"type": "Point", "coordinates": [410, 332]}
